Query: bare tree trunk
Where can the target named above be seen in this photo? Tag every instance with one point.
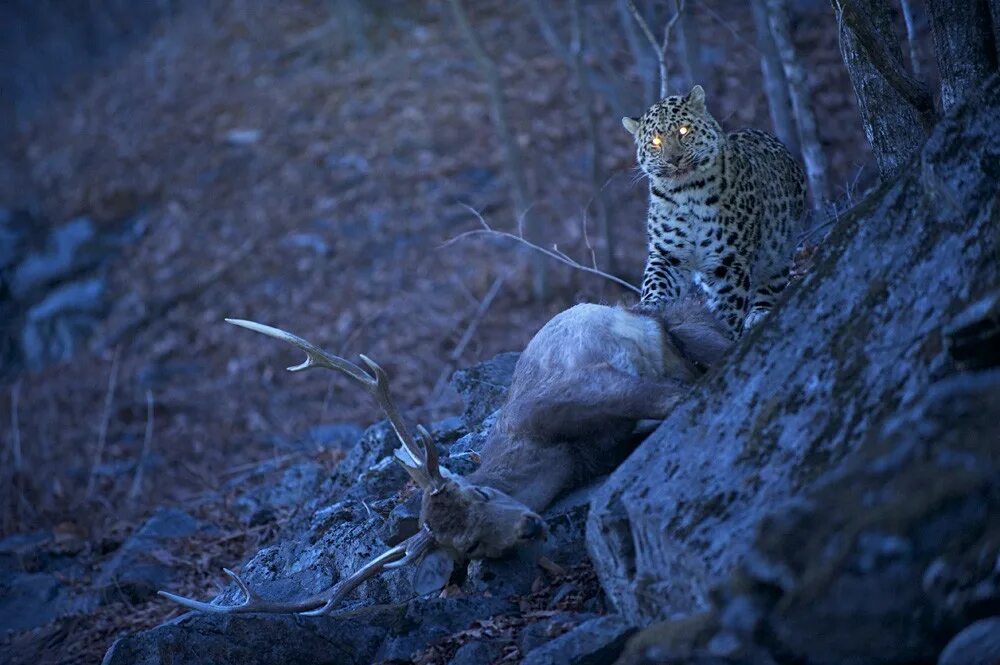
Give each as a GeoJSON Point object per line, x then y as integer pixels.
{"type": "Point", "coordinates": [643, 63]}
{"type": "Point", "coordinates": [896, 109]}
{"type": "Point", "coordinates": [911, 39]}
{"type": "Point", "coordinates": [689, 51]}
{"type": "Point", "coordinates": [798, 90]}
{"type": "Point", "coordinates": [512, 153]}
{"type": "Point", "coordinates": [593, 137]}
{"type": "Point", "coordinates": [775, 84]}
{"type": "Point", "coordinates": [963, 44]}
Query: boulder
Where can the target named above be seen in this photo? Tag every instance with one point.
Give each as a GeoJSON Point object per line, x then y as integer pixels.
{"type": "Point", "coordinates": [143, 564]}
{"type": "Point", "coordinates": [857, 341]}
{"type": "Point", "coordinates": [363, 636]}
{"type": "Point", "coordinates": [594, 642]}
{"type": "Point", "coordinates": [483, 387]}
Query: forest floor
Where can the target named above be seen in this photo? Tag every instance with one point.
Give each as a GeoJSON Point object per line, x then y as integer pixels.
{"type": "Point", "coordinates": [284, 177]}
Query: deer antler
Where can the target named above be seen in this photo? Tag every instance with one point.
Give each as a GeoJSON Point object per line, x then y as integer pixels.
{"type": "Point", "coordinates": [398, 556]}
{"type": "Point", "coordinates": [420, 461]}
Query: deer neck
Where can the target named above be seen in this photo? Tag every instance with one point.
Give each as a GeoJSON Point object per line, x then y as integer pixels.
{"type": "Point", "coordinates": [533, 475]}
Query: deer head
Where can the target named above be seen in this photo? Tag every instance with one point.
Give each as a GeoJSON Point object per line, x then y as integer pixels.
{"type": "Point", "coordinates": [459, 520]}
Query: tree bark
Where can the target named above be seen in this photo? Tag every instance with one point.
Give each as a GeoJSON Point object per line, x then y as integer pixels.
{"type": "Point", "coordinates": [798, 90]}
{"type": "Point", "coordinates": [963, 44]}
{"type": "Point", "coordinates": [511, 151]}
{"type": "Point", "coordinates": [775, 85]}
{"type": "Point", "coordinates": [896, 110]}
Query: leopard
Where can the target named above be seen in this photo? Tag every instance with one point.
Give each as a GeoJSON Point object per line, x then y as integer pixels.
{"type": "Point", "coordinates": [723, 210]}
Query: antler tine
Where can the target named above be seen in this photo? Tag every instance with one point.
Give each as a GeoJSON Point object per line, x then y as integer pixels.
{"type": "Point", "coordinates": [431, 461]}
{"type": "Point", "coordinates": [252, 602]}
{"type": "Point", "coordinates": [376, 383]}
{"type": "Point", "coordinates": [318, 605]}
{"type": "Point", "coordinates": [400, 555]}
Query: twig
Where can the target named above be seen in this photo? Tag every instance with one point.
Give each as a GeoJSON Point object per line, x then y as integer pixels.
{"type": "Point", "coordinates": [477, 317]}
{"type": "Point", "coordinates": [551, 253]}
{"type": "Point", "coordinates": [102, 433]}
{"type": "Point", "coordinates": [660, 49]}
{"type": "Point", "coordinates": [15, 427]}
{"type": "Point", "coordinates": [470, 331]}
{"type": "Point", "coordinates": [147, 440]}
{"type": "Point", "coordinates": [505, 133]}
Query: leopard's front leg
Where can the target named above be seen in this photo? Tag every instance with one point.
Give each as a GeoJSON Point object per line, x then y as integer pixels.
{"type": "Point", "coordinates": [663, 279]}
{"type": "Point", "coordinates": [728, 287]}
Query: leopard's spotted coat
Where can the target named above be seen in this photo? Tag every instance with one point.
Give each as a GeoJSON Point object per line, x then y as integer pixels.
{"type": "Point", "coordinates": [722, 209]}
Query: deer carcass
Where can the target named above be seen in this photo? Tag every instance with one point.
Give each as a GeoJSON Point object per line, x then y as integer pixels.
{"type": "Point", "coordinates": [584, 391]}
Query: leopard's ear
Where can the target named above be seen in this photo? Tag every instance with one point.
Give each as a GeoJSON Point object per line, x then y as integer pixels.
{"type": "Point", "coordinates": [630, 124]}
{"type": "Point", "coordinates": [695, 100]}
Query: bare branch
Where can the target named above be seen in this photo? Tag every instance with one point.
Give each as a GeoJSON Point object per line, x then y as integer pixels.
{"type": "Point", "coordinates": [147, 441]}
{"type": "Point", "coordinates": [102, 433]}
{"type": "Point", "coordinates": [551, 253]}
{"type": "Point", "coordinates": [659, 48]}
{"type": "Point", "coordinates": [512, 153]}
{"type": "Point", "coordinates": [15, 428]}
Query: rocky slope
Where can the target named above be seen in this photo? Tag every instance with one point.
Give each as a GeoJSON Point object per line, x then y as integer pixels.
{"type": "Point", "coordinates": [829, 495]}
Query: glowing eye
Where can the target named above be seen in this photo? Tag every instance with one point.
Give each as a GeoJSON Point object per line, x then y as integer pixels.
{"type": "Point", "coordinates": [657, 141]}
{"type": "Point", "coordinates": [684, 129]}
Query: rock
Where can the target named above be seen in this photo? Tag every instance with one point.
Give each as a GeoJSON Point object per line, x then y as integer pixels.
{"type": "Point", "coordinates": [859, 338]}
{"type": "Point", "coordinates": [979, 644]}
{"type": "Point", "coordinates": [427, 620]}
{"type": "Point", "coordinates": [298, 485]}
{"type": "Point", "coordinates": [255, 639]}
{"type": "Point", "coordinates": [483, 387]}
{"type": "Point", "coordinates": [476, 653]}
{"type": "Point", "coordinates": [887, 554]}
{"type": "Point", "coordinates": [363, 636]}
{"type": "Point", "coordinates": [22, 552]}
{"type": "Point", "coordinates": [55, 327]}
{"type": "Point", "coordinates": [30, 600]}
{"type": "Point", "coordinates": [536, 634]}
{"type": "Point", "coordinates": [143, 564]}
{"type": "Point", "coordinates": [593, 642]}
{"type": "Point", "coordinates": [63, 255]}
{"type": "Point", "coordinates": [403, 521]}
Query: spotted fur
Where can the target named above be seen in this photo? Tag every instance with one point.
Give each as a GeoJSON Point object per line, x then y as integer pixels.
{"type": "Point", "coordinates": [722, 209]}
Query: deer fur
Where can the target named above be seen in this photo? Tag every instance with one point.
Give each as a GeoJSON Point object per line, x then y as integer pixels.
{"type": "Point", "coordinates": [583, 393]}
{"type": "Point", "coordinates": [581, 387]}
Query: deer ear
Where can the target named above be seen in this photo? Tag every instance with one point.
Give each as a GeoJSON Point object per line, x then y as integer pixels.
{"type": "Point", "coordinates": [695, 100]}
{"type": "Point", "coordinates": [433, 572]}
{"type": "Point", "coordinates": [630, 124]}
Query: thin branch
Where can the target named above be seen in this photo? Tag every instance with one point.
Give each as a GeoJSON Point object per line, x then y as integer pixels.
{"type": "Point", "coordinates": [147, 441]}
{"type": "Point", "coordinates": [552, 254]}
{"type": "Point", "coordinates": [477, 317]}
{"type": "Point", "coordinates": [482, 308]}
{"type": "Point", "coordinates": [15, 428]}
{"type": "Point", "coordinates": [102, 433]}
{"type": "Point", "coordinates": [511, 151]}
{"type": "Point", "coordinates": [911, 39]}
{"type": "Point", "coordinates": [659, 48]}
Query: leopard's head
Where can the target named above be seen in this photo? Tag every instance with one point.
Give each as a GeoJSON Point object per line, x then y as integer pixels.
{"type": "Point", "coordinates": [677, 137]}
